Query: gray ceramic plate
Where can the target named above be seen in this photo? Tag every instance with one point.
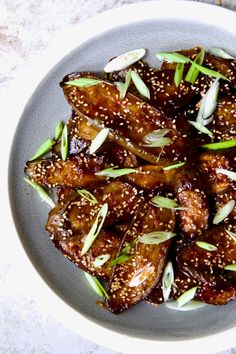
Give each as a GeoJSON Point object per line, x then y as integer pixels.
{"type": "Point", "coordinates": [47, 106]}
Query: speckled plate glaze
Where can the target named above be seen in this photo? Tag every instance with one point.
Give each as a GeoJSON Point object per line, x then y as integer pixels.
{"type": "Point", "coordinates": [157, 26]}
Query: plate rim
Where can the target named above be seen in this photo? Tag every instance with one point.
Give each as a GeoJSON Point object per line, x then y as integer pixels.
{"type": "Point", "coordinates": [50, 57]}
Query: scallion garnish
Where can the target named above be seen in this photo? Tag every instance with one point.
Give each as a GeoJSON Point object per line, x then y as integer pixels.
{"type": "Point", "coordinates": [160, 142]}
{"type": "Point", "coordinates": [58, 130]}
{"type": "Point", "coordinates": [100, 260]}
{"type": "Point", "coordinates": [83, 82]}
{"type": "Point", "coordinates": [155, 135]}
{"type": "Point", "coordinates": [209, 72]}
{"type": "Point", "coordinates": [128, 248]}
{"type": "Point", "coordinates": [193, 72]}
{"type": "Point", "coordinates": [230, 174]}
{"type": "Point", "coordinates": [178, 73]}
{"type": "Point", "coordinates": [43, 149]}
{"type": "Point", "coordinates": [124, 60]}
{"type": "Point", "coordinates": [231, 234]}
{"type": "Point", "coordinates": [186, 296]}
{"type": "Point", "coordinates": [114, 172]}
{"type": "Point", "coordinates": [220, 53]}
{"type": "Point", "coordinates": [124, 253]}
{"type": "Point", "coordinates": [98, 140]}
{"type": "Point", "coordinates": [167, 280]}
{"type": "Point", "coordinates": [180, 58]}
{"type": "Point", "coordinates": [87, 195]}
{"type": "Point", "coordinates": [190, 306]}
{"type": "Point", "coordinates": [140, 85]}
{"type": "Point", "coordinates": [201, 128]}
{"type": "Point", "coordinates": [172, 167]}
{"type": "Point", "coordinates": [119, 259]}
{"type": "Point", "coordinates": [224, 212]}
{"type": "Point", "coordinates": [95, 229]}
{"type": "Point", "coordinates": [208, 104]}
{"type": "Point", "coordinates": [43, 195]}
{"type": "Point", "coordinates": [231, 267]}
{"type": "Point", "coordinates": [96, 285]}
{"type": "Point", "coordinates": [156, 237]}
{"type": "Point", "coordinates": [123, 87]}
{"type": "Point", "coordinates": [64, 143]}
{"type": "Point", "coordinates": [206, 246]}
{"type": "Point", "coordinates": [172, 57]}
{"type": "Point", "coordinates": [221, 145]}
{"type": "Point", "coordinates": [167, 203]}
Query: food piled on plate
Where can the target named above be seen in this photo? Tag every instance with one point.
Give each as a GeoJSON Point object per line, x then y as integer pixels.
{"type": "Point", "coordinates": [145, 174]}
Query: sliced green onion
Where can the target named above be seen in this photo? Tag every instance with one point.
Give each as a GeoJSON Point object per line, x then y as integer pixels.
{"type": "Point", "coordinates": [124, 60]}
{"type": "Point", "coordinates": [123, 87]}
{"type": "Point", "coordinates": [231, 234]}
{"type": "Point", "coordinates": [157, 138]}
{"type": "Point", "coordinates": [155, 135]}
{"type": "Point", "coordinates": [124, 254]}
{"type": "Point", "coordinates": [224, 212]}
{"type": "Point", "coordinates": [58, 130]}
{"type": "Point", "coordinates": [178, 73]}
{"type": "Point", "coordinates": [172, 57]}
{"type": "Point", "coordinates": [231, 267]}
{"type": "Point", "coordinates": [114, 172]}
{"type": "Point", "coordinates": [95, 229]}
{"type": "Point", "coordinates": [201, 128]}
{"type": "Point", "coordinates": [171, 167]}
{"type": "Point", "coordinates": [220, 53]}
{"type": "Point", "coordinates": [208, 104]}
{"type": "Point", "coordinates": [221, 145]}
{"type": "Point", "coordinates": [190, 306]}
{"type": "Point", "coordinates": [193, 72]}
{"type": "Point", "coordinates": [140, 85]}
{"type": "Point", "coordinates": [96, 285]}
{"type": "Point", "coordinates": [206, 246]}
{"type": "Point", "coordinates": [186, 296]}
{"type": "Point", "coordinates": [128, 248]}
{"type": "Point", "coordinates": [100, 260]}
{"type": "Point", "coordinates": [156, 237]}
{"type": "Point", "coordinates": [120, 259]}
{"type": "Point", "coordinates": [230, 174]}
{"type": "Point", "coordinates": [43, 149]}
{"type": "Point", "coordinates": [64, 143]}
{"type": "Point", "coordinates": [43, 195]}
{"type": "Point", "coordinates": [83, 82]}
{"type": "Point", "coordinates": [160, 142]}
{"type": "Point", "coordinates": [98, 140]}
{"type": "Point", "coordinates": [87, 195]}
{"type": "Point", "coordinates": [167, 280]}
{"type": "Point", "coordinates": [167, 203]}
{"type": "Point", "coordinates": [209, 72]}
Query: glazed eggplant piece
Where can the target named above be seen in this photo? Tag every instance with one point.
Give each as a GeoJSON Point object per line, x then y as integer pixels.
{"type": "Point", "coordinates": [164, 95]}
{"type": "Point", "coordinates": [186, 185]}
{"type": "Point", "coordinates": [70, 221]}
{"type": "Point", "coordinates": [213, 289]}
{"type": "Point", "coordinates": [76, 172]}
{"type": "Point", "coordinates": [194, 256]}
{"type": "Point", "coordinates": [133, 280]}
{"type": "Point", "coordinates": [221, 199]}
{"type": "Point", "coordinates": [130, 119]}
{"type": "Point", "coordinates": [209, 162]}
{"type": "Point", "coordinates": [80, 135]}
{"type": "Point", "coordinates": [123, 202]}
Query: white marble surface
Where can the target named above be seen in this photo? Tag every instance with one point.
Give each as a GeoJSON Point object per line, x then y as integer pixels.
{"type": "Point", "coordinates": [26, 28]}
